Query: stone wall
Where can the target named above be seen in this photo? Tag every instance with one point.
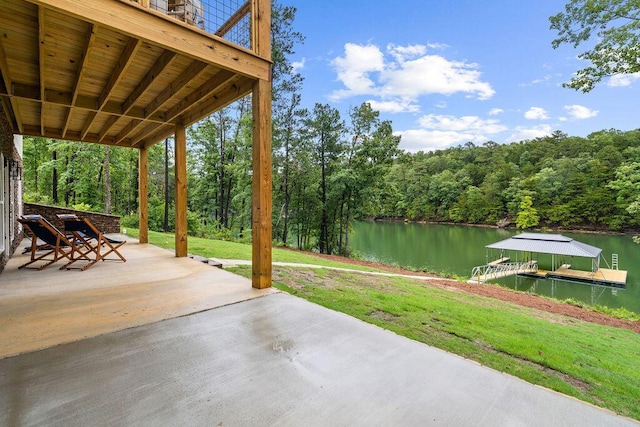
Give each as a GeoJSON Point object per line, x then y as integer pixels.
{"type": "Point", "coordinates": [103, 222]}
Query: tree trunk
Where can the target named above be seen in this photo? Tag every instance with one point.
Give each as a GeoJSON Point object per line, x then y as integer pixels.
{"type": "Point", "coordinates": [67, 192]}
{"type": "Point", "coordinates": [54, 178]}
{"type": "Point", "coordinates": [165, 223]}
{"type": "Point", "coordinates": [324, 232]}
{"type": "Point", "coordinates": [346, 233]}
{"type": "Point", "coordinates": [286, 193]}
{"type": "Point", "coordinates": [107, 181]}
{"type": "Point", "coordinates": [221, 173]}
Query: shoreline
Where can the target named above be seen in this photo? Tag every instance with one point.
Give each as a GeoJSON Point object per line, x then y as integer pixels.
{"type": "Point", "coordinates": [585, 313]}
{"type": "Point", "coordinates": [546, 229]}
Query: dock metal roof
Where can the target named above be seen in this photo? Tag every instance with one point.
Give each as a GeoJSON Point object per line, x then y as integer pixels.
{"type": "Point", "coordinates": [556, 244]}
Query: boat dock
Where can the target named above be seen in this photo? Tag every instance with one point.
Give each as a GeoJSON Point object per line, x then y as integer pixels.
{"type": "Point", "coordinates": [559, 247]}
{"type": "Point", "coordinates": [565, 272]}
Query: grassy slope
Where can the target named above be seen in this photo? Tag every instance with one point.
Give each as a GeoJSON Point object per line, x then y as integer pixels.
{"type": "Point", "coordinates": [232, 250]}
{"type": "Point", "coordinates": [594, 363]}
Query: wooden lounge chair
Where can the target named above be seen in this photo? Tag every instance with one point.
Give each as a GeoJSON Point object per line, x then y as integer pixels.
{"type": "Point", "coordinates": [56, 244]}
{"type": "Point", "coordinates": [82, 231]}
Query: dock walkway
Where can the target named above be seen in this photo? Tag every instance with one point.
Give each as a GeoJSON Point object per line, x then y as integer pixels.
{"type": "Point", "coordinates": [495, 270]}
{"type": "Point", "coordinates": [602, 275]}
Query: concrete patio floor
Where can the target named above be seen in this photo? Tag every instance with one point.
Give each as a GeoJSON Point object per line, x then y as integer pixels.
{"type": "Point", "coordinates": [277, 360]}
{"type": "Point", "coordinates": [40, 309]}
{"type": "Point", "coordinates": [165, 341]}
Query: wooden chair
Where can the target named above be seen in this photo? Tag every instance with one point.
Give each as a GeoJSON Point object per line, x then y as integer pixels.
{"type": "Point", "coordinates": [82, 231]}
{"type": "Point", "coordinates": [57, 243]}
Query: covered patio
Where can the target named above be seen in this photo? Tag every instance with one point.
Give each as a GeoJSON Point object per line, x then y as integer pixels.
{"type": "Point", "coordinates": [40, 309]}
{"type": "Point", "coordinates": [130, 73]}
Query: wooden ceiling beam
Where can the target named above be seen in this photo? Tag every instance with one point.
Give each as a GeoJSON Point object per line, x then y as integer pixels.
{"type": "Point", "coordinates": [214, 103]}
{"type": "Point", "coordinates": [207, 88]}
{"type": "Point", "coordinates": [149, 133]}
{"type": "Point", "coordinates": [220, 100]}
{"type": "Point", "coordinates": [41, 62]}
{"type": "Point", "coordinates": [128, 129]}
{"type": "Point", "coordinates": [80, 73]}
{"type": "Point", "coordinates": [30, 130]}
{"type": "Point", "coordinates": [119, 70]}
{"type": "Point", "coordinates": [162, 31]}
{"type": "Point", "coordinates": [192, 72]}
{"type": "Point", "coordinates": [6, 77]}
{"type": "Point", "coordinates": [105, 129]}
{"type": "Point", "coordinates": [87, 124]}
{"type": "Point", "coordinates": [154, 72]}
{"type": "Point", "coordinates": [73, 136]}
{"type": "Point", "coordinates": [32, 93]}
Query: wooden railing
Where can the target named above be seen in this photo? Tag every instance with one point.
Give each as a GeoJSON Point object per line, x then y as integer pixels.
{"type": "Point", "coordinates": [229, 19]}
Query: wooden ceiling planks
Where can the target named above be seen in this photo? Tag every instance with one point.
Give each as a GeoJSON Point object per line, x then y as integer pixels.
{"type": "Point", "coordinates": [69, 76]}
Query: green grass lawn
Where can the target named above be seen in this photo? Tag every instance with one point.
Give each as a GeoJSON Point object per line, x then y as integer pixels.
{"type": "Point", "coordinates": [595, 363]}
{"type": "Point", "coordinates": [232, 250]}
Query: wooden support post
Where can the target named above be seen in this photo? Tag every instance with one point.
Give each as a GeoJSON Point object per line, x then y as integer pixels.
{"type": "Point", "coordinates": [261, 98]}
{"type": "Point", "coordinates": [261, 227]}
{"type": "Point", "coordinates": [143, 195]}
{"type": "Point", "coordinates": [181, 190]}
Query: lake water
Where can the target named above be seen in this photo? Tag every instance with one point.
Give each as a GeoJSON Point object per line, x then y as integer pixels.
{"type": "Point", "coordinates": [456, 250]}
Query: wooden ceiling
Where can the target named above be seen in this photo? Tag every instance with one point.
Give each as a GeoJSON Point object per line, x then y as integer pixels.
{"type": "Point", "coordinates": [111, 72]}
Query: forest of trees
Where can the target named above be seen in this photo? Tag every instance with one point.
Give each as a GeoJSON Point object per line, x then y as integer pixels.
{"type": "Point", "coordinates": [330, 170]}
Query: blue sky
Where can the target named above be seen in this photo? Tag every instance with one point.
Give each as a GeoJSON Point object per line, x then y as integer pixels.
{"type": "Point", "coordinates": [448, 72]}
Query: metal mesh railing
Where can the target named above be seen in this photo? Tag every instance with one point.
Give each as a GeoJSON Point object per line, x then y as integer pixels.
{"type": "Point", "coordinates": [229, 19]}
{"type": "Point", "coordinates": [486, 272]}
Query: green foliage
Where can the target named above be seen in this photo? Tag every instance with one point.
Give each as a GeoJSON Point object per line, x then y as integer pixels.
{"type": "Point", "coordinates": [616, 27]}
{"type": "Point", "coordinates": [572, 181]}
{"type": "Point", "coordinates": [528, 215]}
{"type": "Point", "coordinates": [81, 207]}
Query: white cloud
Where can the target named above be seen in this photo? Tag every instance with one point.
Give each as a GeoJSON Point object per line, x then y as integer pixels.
{"type": "Point", "coordinates": [496, 111]}
{"type": "Point", "coordinates": [298, 65]}
{"type": "Point", "coordinates": [536, 113]}
{"type": "Point", "coordinates": [440, 46]}
{"type": "Point", "coordinates": [580, 112]}
{"type": "Point", "coordinates": [415, 140]}
{"type": "Point", "coordinates": [546, 78]}
{"type": "Point", "coordinates": [522, 133]}
{"type": "Point", "coordinates": [441, 131]}
{"type": "Point", "coordinates": [401, 106]}
{"type": "Point", "coordinates": [431, 74]}
{"type": "Point", "coordinates": [467, 124]}
{"type": "Point", "coordinates": [402, 53]}
{"type": "Point", "coordinates": [354, 68]}
{"type": "Point", "coordinates": [623, 80]}
{"type": "Point", "coordinates": [404, 74]}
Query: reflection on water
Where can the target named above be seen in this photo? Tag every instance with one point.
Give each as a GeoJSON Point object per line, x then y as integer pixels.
{"type": "Point", "coordinates": [455, 250]}
{"type": "Point", "coordinates": [562, 289]}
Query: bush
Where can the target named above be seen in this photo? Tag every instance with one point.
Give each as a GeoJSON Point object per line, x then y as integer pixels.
{"type": "Point", "coordinates": [81, 207]}
{"type": "Point", "coordinates": [131, 221]}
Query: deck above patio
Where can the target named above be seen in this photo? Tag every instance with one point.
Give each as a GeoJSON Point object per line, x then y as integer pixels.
{"type": "Point", "coordinates": [117, 73]}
